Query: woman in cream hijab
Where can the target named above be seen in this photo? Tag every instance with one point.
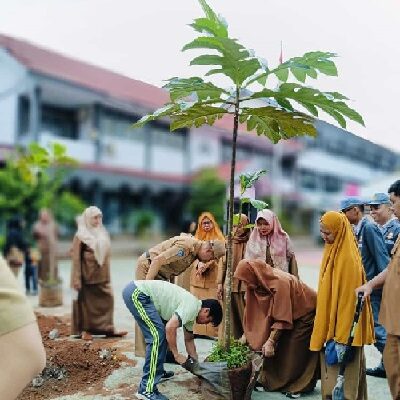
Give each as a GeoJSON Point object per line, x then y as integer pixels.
{"type": "Point", "coordinates": [92, 311]}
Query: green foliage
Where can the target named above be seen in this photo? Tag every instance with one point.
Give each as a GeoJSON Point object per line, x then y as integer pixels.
{"type": "Point", "coordinates": [247, 181]}
{"type": "Point", "coordinates": [32, 179]}
{"type": "Point", "coordinates": [195, 102]}
{"type": "Point", "coordinates": [237, 356]}
{"type": "Point", "coordinates": [67, 207]}
{"type": "Point", "coordinates": [141, 221]}
{"type": "Point", "coordinates": [208, 193]}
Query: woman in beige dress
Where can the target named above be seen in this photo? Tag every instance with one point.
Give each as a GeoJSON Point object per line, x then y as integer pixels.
{"type": "Point", "coordinates": [45, 233]}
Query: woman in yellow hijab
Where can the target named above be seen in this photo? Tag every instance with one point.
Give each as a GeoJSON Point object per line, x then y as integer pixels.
{"type": "Point", "coordinates": [341, 273]}
{"type": "Point", "coordinates": [205, 278]}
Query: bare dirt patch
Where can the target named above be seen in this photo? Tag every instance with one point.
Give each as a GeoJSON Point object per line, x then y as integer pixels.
{"type": "Point", "coordinates": [73, 365]}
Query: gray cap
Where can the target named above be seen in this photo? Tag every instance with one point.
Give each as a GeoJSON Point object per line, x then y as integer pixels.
{"type": "Point", "coordinates": [379, 198]}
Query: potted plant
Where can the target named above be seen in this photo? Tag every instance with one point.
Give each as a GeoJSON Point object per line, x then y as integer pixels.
{"type": "Point", "coordinates": [261, 99]}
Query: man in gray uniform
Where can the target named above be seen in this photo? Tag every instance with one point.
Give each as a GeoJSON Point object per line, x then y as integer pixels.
{"type": "Point", "coordinates": [382, 214]}
{"type": "Point", "coordinates": [375, 259]}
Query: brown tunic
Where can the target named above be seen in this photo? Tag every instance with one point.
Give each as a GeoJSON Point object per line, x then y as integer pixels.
{"type": "Point", "coordinates": [389, 317]}
{"type": "Point", "coordinates": [204, 286]}
{"type": "Point", "coordinates": [276, 300]}
{"type": "Point", "coordinates": [93, 311]}
{"type": "Point", "coordinates": [47, 244]}
{"type": "Point", "coordinates": [179, 253]}
{"type": "Point", "coordinates": [183, 280]}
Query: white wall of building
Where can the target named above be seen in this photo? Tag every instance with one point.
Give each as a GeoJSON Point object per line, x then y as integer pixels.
{"type": "Point", "coordinates": [167, 160]}
{"type": "Point", "coordinates": [81, 150]}
{"type": "Point", "coordinates": [123, 153]}
{"type": "Point", "coordinates": [13, 79]}
{"type": "Point", "coordinates": [205, 149]}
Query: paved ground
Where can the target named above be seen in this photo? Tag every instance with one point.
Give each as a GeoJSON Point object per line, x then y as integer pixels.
{"type": "Point", "coordinates": [122, 273]}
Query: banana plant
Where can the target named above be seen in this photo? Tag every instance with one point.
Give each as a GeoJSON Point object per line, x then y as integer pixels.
{"type": "Point", "coordinates": [271, 101]}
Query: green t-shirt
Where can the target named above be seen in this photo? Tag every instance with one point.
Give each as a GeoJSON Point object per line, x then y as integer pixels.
{"type": "Point", "coordinates": [170, 299]}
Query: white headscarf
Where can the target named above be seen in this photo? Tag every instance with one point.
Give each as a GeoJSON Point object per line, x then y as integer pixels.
{"type": "Point", "coordinates": [96, 238]}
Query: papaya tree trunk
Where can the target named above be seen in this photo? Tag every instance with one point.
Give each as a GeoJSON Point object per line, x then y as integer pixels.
{"type": "Point", "coordinates": [228, 279]}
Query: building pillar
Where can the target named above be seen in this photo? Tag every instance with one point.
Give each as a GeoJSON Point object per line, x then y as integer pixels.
{"type": "Point", "coordinates": [98, 137]}
{"type": "Point", "coordinates": [147, 132]}
{"type": "Point", "coordinates": [35, 116]}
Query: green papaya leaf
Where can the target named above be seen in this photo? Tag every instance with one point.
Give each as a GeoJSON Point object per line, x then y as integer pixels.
{"type": "Point", "coordinates": [259, 204]}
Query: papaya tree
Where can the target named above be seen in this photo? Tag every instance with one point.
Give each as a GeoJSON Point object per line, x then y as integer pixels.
{"type": "Point", "coordinates": [271, 101]}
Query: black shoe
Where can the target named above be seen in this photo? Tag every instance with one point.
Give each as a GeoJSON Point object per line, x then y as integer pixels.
{"type": "Point", "coordinates": [378, 372]}
{"type": "Point", "coordinates": [166, 375]}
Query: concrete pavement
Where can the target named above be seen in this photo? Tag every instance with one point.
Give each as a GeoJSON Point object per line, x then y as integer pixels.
{"type": "Point", "coordinates": [123, 271]}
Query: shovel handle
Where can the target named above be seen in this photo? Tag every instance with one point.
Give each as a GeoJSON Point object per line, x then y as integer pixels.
{"type": "Point", "coordinates": [359, 307]}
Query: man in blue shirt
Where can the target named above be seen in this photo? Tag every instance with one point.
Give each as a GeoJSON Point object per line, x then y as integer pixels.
{"type": "Point", "coordinates": [381, 212]}
{"type": "Point", "coordinates": [375, 259]}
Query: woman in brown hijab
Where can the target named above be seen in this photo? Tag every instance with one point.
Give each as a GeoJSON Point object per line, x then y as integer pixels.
{"type": "Point", "coordinates": [240, 237]}
{"type": "Point", "coordinates": [278, 321]}
{"type": "Point", "coordinates": [45, 232]}
{"type": "Point", "coordinates": [92, 312]}
{"type": "Point", "coordinates": [206, 278]}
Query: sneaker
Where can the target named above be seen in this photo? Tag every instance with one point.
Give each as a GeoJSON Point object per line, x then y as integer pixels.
{"type": "Point", "coordinates": [378, 372]}
{"type": "Point", "coordinates": [167, 375]}
{"type": "Point", "coordinates": [156, 395]}
{"type": "Point", "coordinates": [293, 395]}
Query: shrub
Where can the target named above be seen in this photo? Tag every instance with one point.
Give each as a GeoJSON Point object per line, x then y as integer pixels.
{"type": "Point", "coordinates": [237, 356]}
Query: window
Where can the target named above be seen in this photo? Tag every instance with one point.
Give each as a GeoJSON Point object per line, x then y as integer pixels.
{"type": "Point", "coordinates": [23, 115]}
{"type": "Point", "coordinates": [331, 184]}
{"type": "Point", "coordinates": [120, 125]}
{"type": "Point", "coordinates": [60, 122]}
{"type": "Point", "coordinates": [165, 138]}
{"type": "Point", "coordinates": [308, 180]}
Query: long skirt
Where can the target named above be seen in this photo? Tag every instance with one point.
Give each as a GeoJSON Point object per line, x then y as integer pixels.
{"type": "Point", "coordinates": [355, 382]}
{"type": "Point", "coordinates": [48, 259]}
{"type": "Point", "coordinates": [202, 294]}
{"type": "Point", "coordinates": [93, 311]}
{"type": "Point", "coordinates": [293, 368]}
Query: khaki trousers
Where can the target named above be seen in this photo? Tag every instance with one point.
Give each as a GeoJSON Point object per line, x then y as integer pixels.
{"type": "Point", "coordinates": [391, 360]}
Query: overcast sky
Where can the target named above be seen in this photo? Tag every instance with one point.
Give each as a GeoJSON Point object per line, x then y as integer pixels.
{"type": "Point", "coordinates": [142, 39]}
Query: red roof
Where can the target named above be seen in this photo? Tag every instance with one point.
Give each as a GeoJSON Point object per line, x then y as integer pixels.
{"type": "Point", "coordinates": [51, 63]}
{"type": "Point", "coordinates": [56, 65]}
